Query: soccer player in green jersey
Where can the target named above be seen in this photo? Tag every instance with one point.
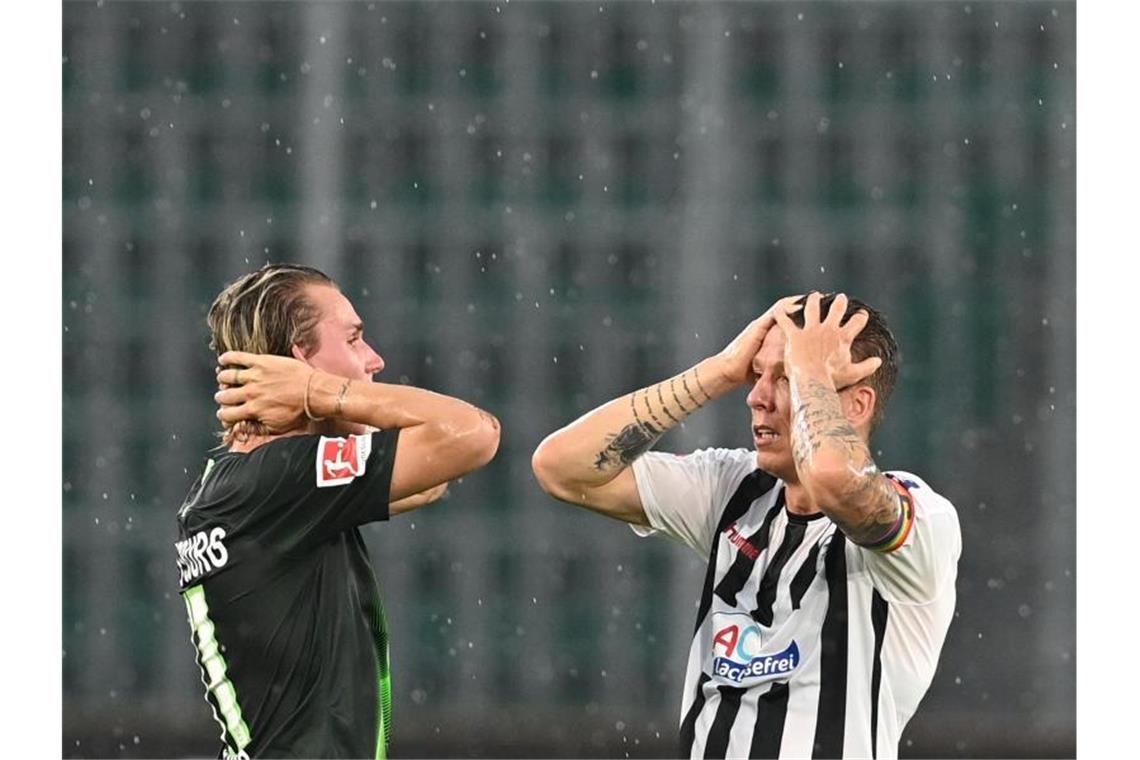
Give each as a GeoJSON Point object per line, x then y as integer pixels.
{"type": "Point", "coordinates": [284, 608]}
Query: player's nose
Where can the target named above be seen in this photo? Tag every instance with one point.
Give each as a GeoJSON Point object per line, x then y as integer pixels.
{"type": "Point", "coordinates": [760, 396]}
{"type": "Point", "coordinates": [375, 362]}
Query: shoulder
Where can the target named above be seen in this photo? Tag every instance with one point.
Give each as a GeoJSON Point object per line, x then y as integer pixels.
{"type": "Point", "coordinates": [710, 465]}
{"type": "Point", "coordinates": [279, 445]}
{"type": "Point", "coordinates": [272, 463]}
{"type": "Point", "coordinates": [734, 459]}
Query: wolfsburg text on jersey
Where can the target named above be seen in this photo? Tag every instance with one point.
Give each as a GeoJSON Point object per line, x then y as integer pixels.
{"type": "Point", "coordinates": [201, 553]}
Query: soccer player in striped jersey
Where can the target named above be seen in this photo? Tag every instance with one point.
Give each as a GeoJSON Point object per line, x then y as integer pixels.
{"type": "Point", "coordinates": [830, 582]}
{"type": "Point", "coordinates": [284, 609]}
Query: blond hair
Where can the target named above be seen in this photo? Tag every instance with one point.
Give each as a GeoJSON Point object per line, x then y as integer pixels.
{"type": "Point", "coordinates": [266, 312]}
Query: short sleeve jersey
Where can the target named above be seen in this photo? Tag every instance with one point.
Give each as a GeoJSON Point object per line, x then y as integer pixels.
{"type": "Point", "coordinates": [285, 612]}
{"type": "Point", "coordinates": [806, 644]}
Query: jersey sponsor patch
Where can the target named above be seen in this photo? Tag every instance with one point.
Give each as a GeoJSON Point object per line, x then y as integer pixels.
{"type": "Point", "coordinates": [341, 460]}
{"type": "Point", "coordinates": [742, 657]}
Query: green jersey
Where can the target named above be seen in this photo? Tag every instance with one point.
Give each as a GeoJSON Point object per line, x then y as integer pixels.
{"type": "Point", "coordinates": [284, 609]}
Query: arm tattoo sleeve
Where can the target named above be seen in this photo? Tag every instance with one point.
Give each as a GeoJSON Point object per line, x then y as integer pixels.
{"type": "Point", "coordinates": [627, 445]}
{"type": "Point", "coordinates": [661, 413]}
{"type": "Point", "coordinates": [870, 506]}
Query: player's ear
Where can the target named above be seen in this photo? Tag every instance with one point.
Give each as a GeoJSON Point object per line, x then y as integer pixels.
{"type": "Point", "coordinates": [860, 405]}
{"type": "Point", "coordinates": [298, 354]}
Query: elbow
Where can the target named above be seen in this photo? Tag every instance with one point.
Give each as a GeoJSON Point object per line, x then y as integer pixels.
{"type": "Point", "coordinates": [544, 464]}
{"type": "Point", "coordinates": [472, 442]}
{"type": "Point", "coordinates": [484, 443]}
{"type": "Point", "coordinates": [828, 484]}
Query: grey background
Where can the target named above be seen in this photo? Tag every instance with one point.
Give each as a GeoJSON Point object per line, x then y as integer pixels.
{"type": "Point", "coordinates": [537, 207]}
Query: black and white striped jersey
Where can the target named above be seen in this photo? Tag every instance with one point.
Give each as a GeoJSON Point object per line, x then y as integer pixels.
{"type": "Point", "coordinates": [806, 644]}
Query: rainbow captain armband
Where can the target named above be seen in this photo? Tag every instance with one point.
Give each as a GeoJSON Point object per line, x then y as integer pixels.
{"type": "Point", "coordinates": [896, 536]}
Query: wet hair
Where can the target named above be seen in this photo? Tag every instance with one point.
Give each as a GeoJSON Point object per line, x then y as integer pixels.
{"type": "Point", "coordinates": [266, 312]}
{"type": "Point", "coordinates": [875, 339]}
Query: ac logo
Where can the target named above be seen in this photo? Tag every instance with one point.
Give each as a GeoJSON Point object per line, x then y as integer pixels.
{"type": "Point", "coordinates": [740, 642]}
{"type": "Point", "coordinates": [341, 460]}
{"type": "Point", "coordinates": [737, 652]}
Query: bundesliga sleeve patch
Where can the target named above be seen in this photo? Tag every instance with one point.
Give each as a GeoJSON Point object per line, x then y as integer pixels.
{"type": "Point", "coordinates": [341, 460]}
{"type": "Point", "coordinates": [897, 535]}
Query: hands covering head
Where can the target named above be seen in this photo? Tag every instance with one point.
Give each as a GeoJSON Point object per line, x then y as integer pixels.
{"type": "Point", "coordinates": [818, 341]}
{"type": "Point", "coordinates": [811, 339]}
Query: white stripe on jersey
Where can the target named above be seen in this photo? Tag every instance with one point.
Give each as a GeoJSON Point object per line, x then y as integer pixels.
{"type": "Point", "coordinates": [860, 654]}
{"type": "Point", "coordinates": [804, 680]}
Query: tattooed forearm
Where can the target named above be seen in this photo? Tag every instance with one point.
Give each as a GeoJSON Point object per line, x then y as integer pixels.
{"type": "Point", "coordinates": [881, 510]}
{"type": "Point", "coordinates": [867, 504]}
{"type": "Point", "coordinates": [673, 390]}
{"type": "Point", "coordinates": [630, 443]}
{"type": "Point", "coordinates": [818, 421]}
{"type": "Point", "coordinates": [700, 385]}
{"type": "Point", "coordinates": [660, 425]}
{"type": "Point", "coordinates": [664, 406]}
{"type": "Point", "coordinates": [654, 414]}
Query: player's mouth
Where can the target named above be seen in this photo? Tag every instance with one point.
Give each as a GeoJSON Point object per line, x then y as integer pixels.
{"type": "Point", "coordinates": [764, 435]}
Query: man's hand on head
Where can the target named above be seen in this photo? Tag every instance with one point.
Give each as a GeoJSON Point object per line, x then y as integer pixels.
{"type": "Point", "coordinates": [823, 345]}
{"type": "Point", "coordinates": [735, 359]}
{"type": "Point", "coordinates": [261, 388]}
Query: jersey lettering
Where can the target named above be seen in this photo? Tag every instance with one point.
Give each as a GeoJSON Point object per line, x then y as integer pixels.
{"type": "Point", "coordinates": [201, 553]}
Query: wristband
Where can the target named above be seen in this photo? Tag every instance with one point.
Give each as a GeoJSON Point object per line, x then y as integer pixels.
{"type": "Point", "coordinates": [308, 413]}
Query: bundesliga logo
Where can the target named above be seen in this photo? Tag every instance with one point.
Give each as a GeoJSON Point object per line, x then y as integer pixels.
{"type": "Point", "coordinates": [340, 460]}
{"type": "Point", "coordinates": [737, 655]}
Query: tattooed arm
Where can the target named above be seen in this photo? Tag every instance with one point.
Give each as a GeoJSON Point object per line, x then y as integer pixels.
{"type": "Point", "coordinates": [832, 458]}
{"type": "Point", "coordinates": [835, 464]}
{"type": "Point", "coordinates": [587, 463]}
